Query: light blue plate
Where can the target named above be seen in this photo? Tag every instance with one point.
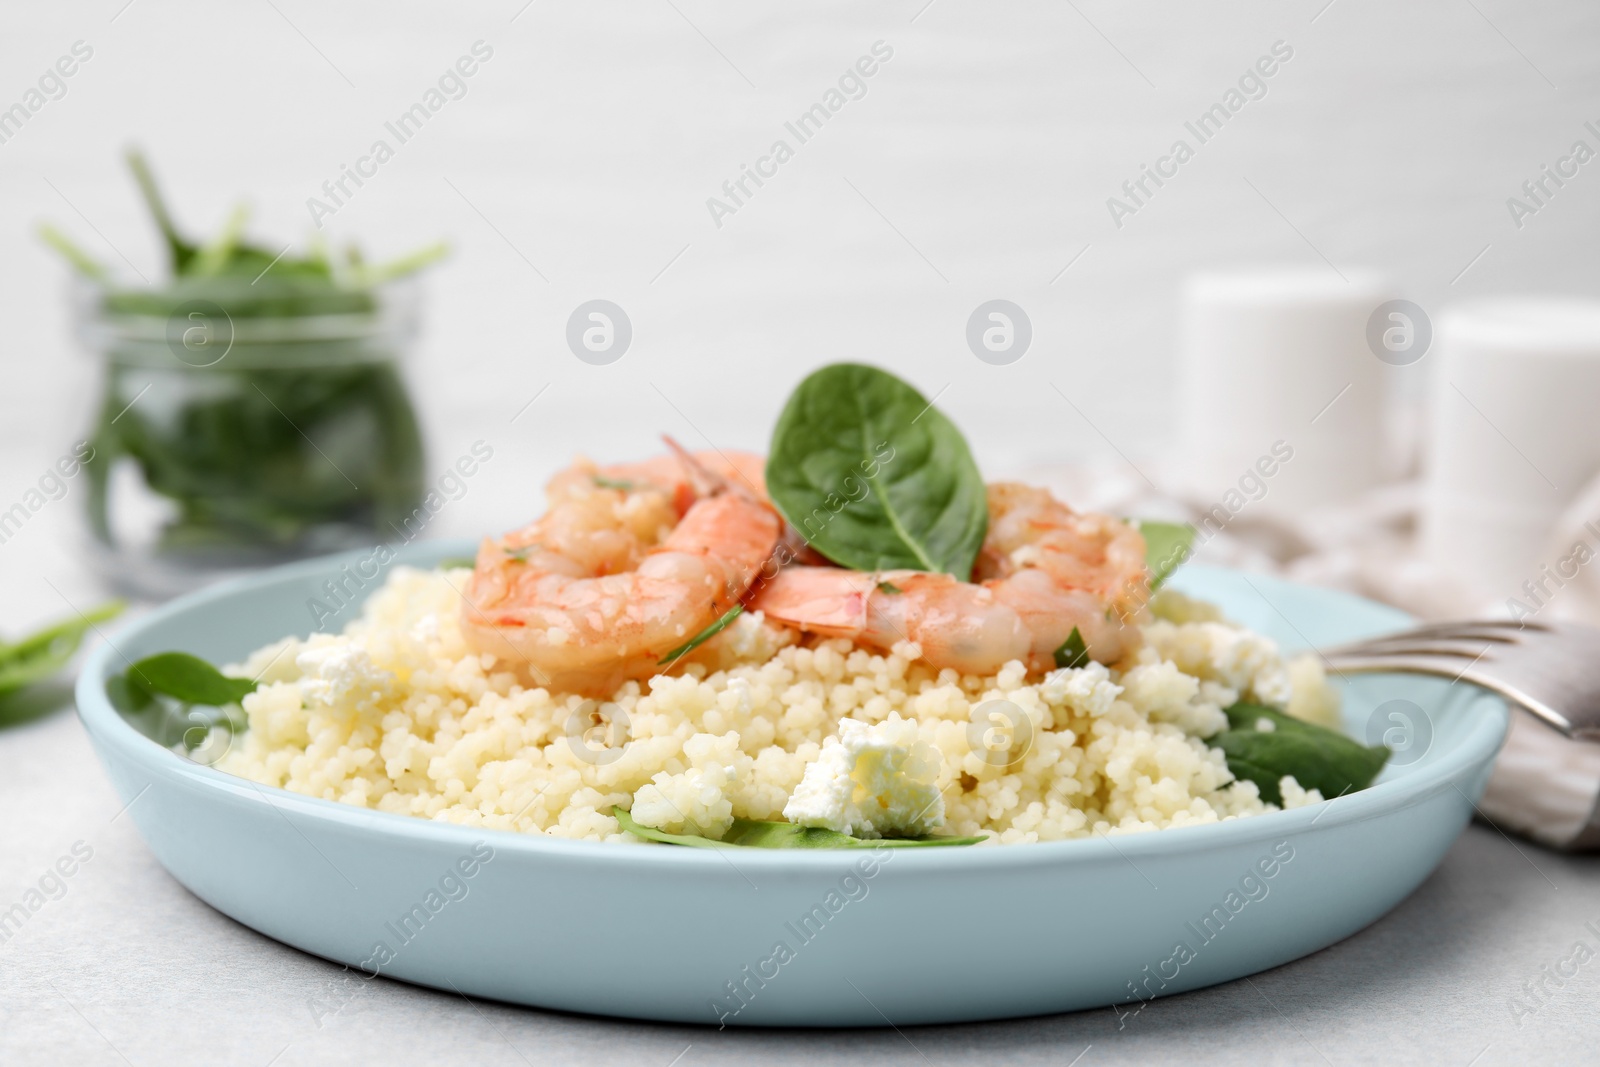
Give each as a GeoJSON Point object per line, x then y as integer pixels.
{"type": "Point", "coordinates": [791, 938]}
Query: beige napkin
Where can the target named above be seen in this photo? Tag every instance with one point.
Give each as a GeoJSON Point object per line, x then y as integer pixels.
{"type": "Point", "coordinates": [1545, 786]}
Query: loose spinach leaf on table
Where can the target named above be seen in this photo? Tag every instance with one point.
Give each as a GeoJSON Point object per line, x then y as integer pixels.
{"type": "Point", "coordinates": [755, 833]}
{"type": "Point", "coordinates": [39, 655]}
{"type": "Point", "coordinates": [1319, 758]}
{"type": "Point", "coordinates": [874, 477]}
{"type": "Point", "coordinates": [1166, 546]}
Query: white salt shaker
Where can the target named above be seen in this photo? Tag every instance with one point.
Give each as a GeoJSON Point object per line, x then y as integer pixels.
{"type": "Point", "coordinates": [1513, 436]}
{"type": "Point", "coordinates": [1276, 361]}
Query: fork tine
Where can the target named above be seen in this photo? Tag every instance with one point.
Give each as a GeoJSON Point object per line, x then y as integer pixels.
{"type": "Point", "coordinates": [1464, 649]}
{"type": "Point", "coordinates": [1441, 666]}
{"type": "Point", "coordinates": [1490, 629]}
{"type": "Point", "coordinates": [1416, 643]}
{"type": "Point", "coordinates": [1550, 668]}
{"type": "Point", "coordinates": [1453, 640]}
{"type": "Point", "coordinates": [1447, 638]}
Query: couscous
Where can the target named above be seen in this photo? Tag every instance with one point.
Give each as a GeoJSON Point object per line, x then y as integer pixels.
{"type": "Point", "coordinates": [397, 713]}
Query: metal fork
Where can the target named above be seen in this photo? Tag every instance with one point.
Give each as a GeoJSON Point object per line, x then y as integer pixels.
{"type": "Point", "coordinates": [1550, 668]}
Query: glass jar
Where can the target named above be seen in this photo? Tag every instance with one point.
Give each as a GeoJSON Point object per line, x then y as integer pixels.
{"type": "Point", "coordinates": [242, 425]}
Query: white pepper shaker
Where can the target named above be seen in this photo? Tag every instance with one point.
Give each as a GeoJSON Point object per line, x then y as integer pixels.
{"type": "Point", "coordinates": [1513, 435]}
{"type": "Point", "coordinates": [1280, 354]}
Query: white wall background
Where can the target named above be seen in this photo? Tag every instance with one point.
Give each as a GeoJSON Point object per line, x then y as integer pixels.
{"type": "Point", "coordinates": [977, 166]}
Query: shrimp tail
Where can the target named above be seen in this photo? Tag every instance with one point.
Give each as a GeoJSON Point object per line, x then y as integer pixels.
{"type": "Point", "coordinates": [705, 481]}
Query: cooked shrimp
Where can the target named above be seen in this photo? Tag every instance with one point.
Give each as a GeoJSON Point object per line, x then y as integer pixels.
{"type": "Point", "coordinates": [616, 573]}
{"type": "Point", "coordinates": [1044, 570]}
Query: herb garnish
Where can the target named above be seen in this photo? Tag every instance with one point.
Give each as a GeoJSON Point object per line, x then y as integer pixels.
{"type": "Point", "coordinates": [702, 637]}
{"type": "Point", "coordinates": [1318, 758]}
{"type": "Point", "coordinates": [1166, 546]}
{"type": "Point", "coordinates": [189, 679]}
{"type": "Point", "coordinates": [613, 483]}
{"type": "Point", "coordinates": [890, 588]}
{"type": "Point", "coordinates": [174, 698]}
{"type": "Point", "coordinates": [1073, 652]}
{"type": "Point", "coordinates": [755, 833]}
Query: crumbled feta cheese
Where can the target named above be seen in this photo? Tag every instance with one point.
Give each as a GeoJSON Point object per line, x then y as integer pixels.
{"type": "Point", "coordinates": [871, 781]}
{"type": "Point", "coordinates": [341, 676]}
{"type": "Point", "coordinates": [1266, 725]}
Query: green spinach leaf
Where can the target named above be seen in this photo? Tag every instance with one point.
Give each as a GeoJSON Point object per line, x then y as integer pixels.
{"type": "Point", "coordinates": [73, 253]}
{"type": "Point", "coordinates": [38, 656]}
{"type": "Point", "coordinates": [176, 699]}
{"type": "Point", "coordinates": [874, 477]}
{"type": "Point", "coordinates": [755, 833]}
{"type": "Point", "coordinates": [228, 255]}
{"type": "Point", "coordinates": [189, 679]}
{"type": "Point", "coordinates": [1166, 546]}
{"type": "Point", "coordinates": [180, 250]}
{"type": "Point", "coordinates": [1318, 758]}
{"type": "Point", "coordinates": [1073, 652]}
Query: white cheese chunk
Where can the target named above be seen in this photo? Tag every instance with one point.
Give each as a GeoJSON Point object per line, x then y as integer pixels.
{"type": "Point", "coordinates": [871, 781]}
{"type": "Point", "coordinates": [341, 676]}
